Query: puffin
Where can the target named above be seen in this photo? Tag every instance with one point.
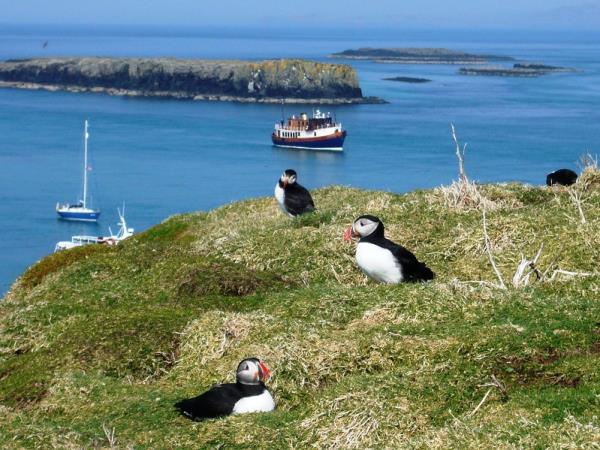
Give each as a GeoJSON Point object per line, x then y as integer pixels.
{"type": "Point", "coordinates": [381, 259]}
{"type": "Point", "coordinates": [247, 395]}
{"type": "Point", "coordinates": [564, 177]}
{"type": "Point", "coordinates": [293, 198]}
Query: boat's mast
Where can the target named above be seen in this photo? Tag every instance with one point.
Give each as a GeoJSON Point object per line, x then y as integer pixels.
{"type": "Point", "coordinates": [85, 163]}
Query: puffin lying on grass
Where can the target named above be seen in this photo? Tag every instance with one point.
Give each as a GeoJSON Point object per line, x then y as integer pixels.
{"type": "Point", "coordinates": [293, 198]}
{"type": "Point", "coordinates": [564, 177]}
{"type": "Point", "coordinates": [381, 259]}
{"type": "Point", "coordinates": [247, 395]}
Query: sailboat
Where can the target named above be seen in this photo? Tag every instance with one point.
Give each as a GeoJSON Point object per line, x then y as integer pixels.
{"type": "Point", "coordinates": [80, 211]}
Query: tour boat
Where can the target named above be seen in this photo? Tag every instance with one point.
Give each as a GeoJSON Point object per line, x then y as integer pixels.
{"type": "Point", "coordinates": [111, 239]}
{"type": "Point", "coordinates": [319, 132]}
{"type": "Point", "coordinates": [80, 211]}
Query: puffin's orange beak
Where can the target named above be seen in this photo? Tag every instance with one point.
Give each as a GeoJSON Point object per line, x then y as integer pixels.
{"type": "Point", "coordinates": [266, 373]}
{"type": "Point", "coordinates": [349, 234]}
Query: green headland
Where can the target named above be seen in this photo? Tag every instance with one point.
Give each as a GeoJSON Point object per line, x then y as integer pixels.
{"type": "Point", "coordinates": [98, 343]}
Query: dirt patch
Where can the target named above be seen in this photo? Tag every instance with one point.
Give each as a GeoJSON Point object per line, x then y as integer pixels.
{"type": "Point", "coordinates": [229, 279]}
{"type": "Point", "coordinates": [536, 371]}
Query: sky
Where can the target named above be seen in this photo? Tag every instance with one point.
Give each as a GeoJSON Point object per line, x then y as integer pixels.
{"type": "Point", "coordinates": [447, 14]}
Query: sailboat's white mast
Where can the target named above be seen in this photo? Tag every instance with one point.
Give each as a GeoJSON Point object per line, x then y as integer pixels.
{"type": "Point", "coordinates": [85, 164]}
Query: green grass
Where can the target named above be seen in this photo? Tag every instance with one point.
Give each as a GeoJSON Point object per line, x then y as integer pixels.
{"type": "Point", "coordinates": [101, 337]}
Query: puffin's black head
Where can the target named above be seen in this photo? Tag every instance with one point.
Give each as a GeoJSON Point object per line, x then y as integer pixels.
{"type": "Point", "coordinates": [252, 371]}
{"type": "Point", "coordinates": [364, 226]}
{"type": "Point", "coordinates": [288, 177]}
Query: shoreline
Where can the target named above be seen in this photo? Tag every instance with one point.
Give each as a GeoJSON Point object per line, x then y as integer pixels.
{"type": "Point", "coordinates": [181, 95]}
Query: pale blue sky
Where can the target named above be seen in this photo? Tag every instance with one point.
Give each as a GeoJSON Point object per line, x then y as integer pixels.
{"type": "Point", "coordinates": [537, 14]}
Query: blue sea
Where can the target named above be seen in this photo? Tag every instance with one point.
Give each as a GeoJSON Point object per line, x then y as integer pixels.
{"type": "Point", "coordinates": [164, 157]}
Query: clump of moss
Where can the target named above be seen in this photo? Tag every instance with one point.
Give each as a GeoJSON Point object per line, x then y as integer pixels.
{"type": "Point", "coordinates": [35, 274]}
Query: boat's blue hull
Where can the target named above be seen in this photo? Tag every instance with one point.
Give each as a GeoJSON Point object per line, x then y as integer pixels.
{"type": "Point", "coordinates": [79, 216]}
{"type": "Point", "coordinates": [334, 142]}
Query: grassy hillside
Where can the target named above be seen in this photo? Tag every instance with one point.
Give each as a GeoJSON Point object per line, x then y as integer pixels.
{"type": "Point", "coordinates": [97, 343]}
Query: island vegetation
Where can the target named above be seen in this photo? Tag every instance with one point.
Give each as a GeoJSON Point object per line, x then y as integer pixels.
{"type": "Point", "coordinates": [98, 343]}
{"type": "Point", "coordinates": [418, 56]}
{"type": "Point", "coordinates": [291, 81]}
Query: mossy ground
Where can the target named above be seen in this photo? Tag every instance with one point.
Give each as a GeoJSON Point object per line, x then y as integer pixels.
{"type": "Point", "coordinates": [101, 338]}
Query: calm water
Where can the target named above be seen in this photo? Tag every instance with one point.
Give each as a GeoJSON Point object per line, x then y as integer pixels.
{"type": "Point", "coordinates": [164, 157]}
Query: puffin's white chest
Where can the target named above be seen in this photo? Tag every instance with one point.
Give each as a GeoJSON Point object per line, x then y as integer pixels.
{"type": "Point", "coordinates": [280, 196]}
{"type": "Point", "coordinates": [257, 403]}
{"type": "Point", "coordinates": [378, 263]}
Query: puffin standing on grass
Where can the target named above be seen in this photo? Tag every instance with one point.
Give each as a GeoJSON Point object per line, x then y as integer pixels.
{"type": "Point", "coordinates": [247, 395]}
{"type": "Point", "coordinates": [381, 259]}
{"type": "Point", "coordinates": [564, 177]}
{"type": "Point", "coordinates": [293, 198]}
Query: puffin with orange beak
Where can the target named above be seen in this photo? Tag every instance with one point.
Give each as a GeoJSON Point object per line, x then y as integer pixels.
{"type": "Point", "coordinates": [293, 198]}
{"type": "Point", "coordinates": [381, 259]}
{"type": "Point", "coordinates": [247, 395]}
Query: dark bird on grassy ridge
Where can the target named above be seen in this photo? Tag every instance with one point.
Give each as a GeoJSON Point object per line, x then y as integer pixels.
{"type": "Point", "coordinates": [247, 395]}
{"type": "Point", "coordinates": [564, 177]}
{"type": "Point", "coordinates": [293, 198]}
{"type": "Point", "coordinates": [381, 259]}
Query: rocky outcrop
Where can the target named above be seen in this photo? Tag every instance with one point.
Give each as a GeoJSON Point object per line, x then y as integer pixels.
{"type": "Point", "coordinates": [418, 56]}
{"type": "Point", "coordinates": [523, 70]}
{"type": "Point", "coordinates": [294, 81]}
{"type": "Point", "coordinates": [408, 80]}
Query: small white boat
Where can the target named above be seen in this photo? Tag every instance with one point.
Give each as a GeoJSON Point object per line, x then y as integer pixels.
{"type": "Point", "coordinates": [80, 211]}
{"type": "Point", "coordinates": [111, 239]}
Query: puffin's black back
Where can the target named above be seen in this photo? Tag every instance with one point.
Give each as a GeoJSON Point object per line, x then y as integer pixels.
{"type": "Point", "coordinates": [217, 401]}
{"type": "Point", "coordinates": [412, 268]}
{"type": "Point", "coordinates": [297, 199]}
{"type": "Point", "coordinates": [564, 177]}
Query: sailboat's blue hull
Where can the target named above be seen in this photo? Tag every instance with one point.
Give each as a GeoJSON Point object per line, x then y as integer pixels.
{"type": "Point", "coordinates": [79, 216]}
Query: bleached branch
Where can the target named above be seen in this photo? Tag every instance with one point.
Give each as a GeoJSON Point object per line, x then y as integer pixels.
{"type": "Point", "coordinates": [568, 273]}
{"type": "Point", "coordinates": [521, 278]}
{"type": "Point", "coordinates": [488, 249]}
{"type": "Point", "coordinates": [110, 436]}
{"type": "Point", "coordinates": [460, 155]}
{"type": "Point", "coordinates": [576, 196]}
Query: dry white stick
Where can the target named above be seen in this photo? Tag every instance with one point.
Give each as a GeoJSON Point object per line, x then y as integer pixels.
{"type": "Point", "coordinates": [110, 435]}
{"type": "Point", "coordinates": [587, 161]}
{"type": "Point", "coordinates": [570, 274]}
{"type": "Point", "coordinates": [472, 413]}
{"type": "Point", "coordinates": [488, 249]}
{"type": "Point", "coordinates": [521, 278]}
{"type": "Point", "coordinates": [335, 274]}
{"type": "Point", "coordinates": [460, 155]}
{"type": "Point", "coordinates": [576, 197]}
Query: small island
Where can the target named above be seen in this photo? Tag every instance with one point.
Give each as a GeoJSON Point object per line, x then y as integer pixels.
{"type": "Point", "coordinates": [412, 80]}
{"type": "Point", "coordinates": [273, 81]}
{"type": "Point", "coordinates": [524, 70]}
{"type": "Point", "coordinates": [417, 56]}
